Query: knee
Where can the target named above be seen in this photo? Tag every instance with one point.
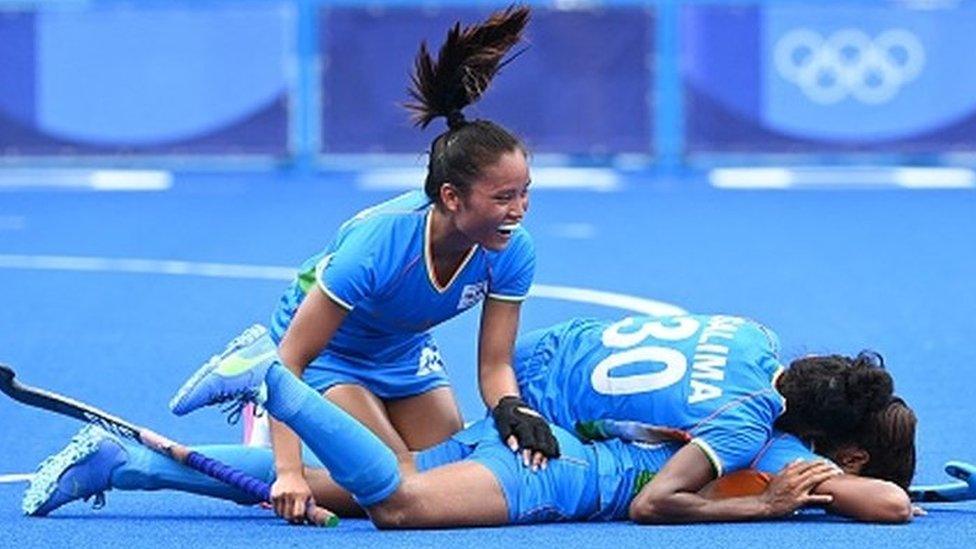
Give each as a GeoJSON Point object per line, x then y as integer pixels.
{"type": "Point", "coordinates": [386, 517]}
{"type": "Point", "coordinates": [401, 510]}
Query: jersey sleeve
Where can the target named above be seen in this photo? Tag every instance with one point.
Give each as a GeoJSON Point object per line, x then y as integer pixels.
{"type": "Point", "coordinates": [735, 435]}
{"type": "Point", "coordinates": [347, 274]}
{"type": "Point", "coordinates": [772, 340]}
{"type": "Point", "coordinates": [781, 450]}
{"type": "Point", "coordinates": [513, 269]}
{"type": "Point", "coordinates": [730, 445]}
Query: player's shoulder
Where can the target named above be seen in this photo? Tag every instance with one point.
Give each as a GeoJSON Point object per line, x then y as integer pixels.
{"type": "Point", "coordinates": [390, 221]}
{"type": "Point", "coordinates": [764, 335]}
{"type": "Point", "coordinates": [726, 318]}
{"type": "Point", "coordinates": [748, 331]}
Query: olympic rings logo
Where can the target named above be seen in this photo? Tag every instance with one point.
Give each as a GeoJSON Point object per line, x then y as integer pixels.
{"type": "Point", "coordinates": [849, 63]}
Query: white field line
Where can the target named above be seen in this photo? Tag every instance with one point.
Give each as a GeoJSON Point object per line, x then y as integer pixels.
{"type": "Point", "coordinates": [15, 478]}
{"type": "Point", "coordinates": [592, 179]}
{"type": "Point", "coordinates": [863, 177]}
{"type": "Point", "coordinates": [264, 272]}
{"type": "Point", "coordinates": [94, 180]}
{"type": "Point", "coordinates": [267, 272]}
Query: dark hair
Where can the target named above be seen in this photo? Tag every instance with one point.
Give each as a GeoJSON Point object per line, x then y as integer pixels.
{"type": "Point", "coordinates": [465, 66]}
{"type": "Point", "coordinates": [833, 395]}
{"type": "Point", "coordinates": [889, 439]}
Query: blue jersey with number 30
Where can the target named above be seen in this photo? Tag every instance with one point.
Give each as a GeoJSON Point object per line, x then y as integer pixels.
{"type": "Point", "coordinates": [710, 375]}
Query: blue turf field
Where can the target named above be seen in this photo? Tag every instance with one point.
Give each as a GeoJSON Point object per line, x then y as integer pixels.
{"type": "Point", "coordinates": [829, 270]}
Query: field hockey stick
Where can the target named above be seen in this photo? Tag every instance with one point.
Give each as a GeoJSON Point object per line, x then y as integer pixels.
{"type": "Point", "coordinates": [60, 404]}
{"type": "Point", "coordinates": [963, 489]}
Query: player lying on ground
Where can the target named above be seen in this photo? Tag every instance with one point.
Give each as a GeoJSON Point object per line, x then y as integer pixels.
{"type": "Point", "coordinates": [719, 378]}
{"type": "Point", "coordinates": [714, 380]}
{"type": "Point", "coordinates": [482, 481]}
{"type": "Point", "coordinates": [489, 486]}
{"type": "Point", "coordinates": [614, 470]}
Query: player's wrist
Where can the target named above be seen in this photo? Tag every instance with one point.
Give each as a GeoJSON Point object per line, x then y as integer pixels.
{"type": "Point", "coordinates": [511, 401]}
{"type": "Point", "coordinates": [768, 509]}
{"type": "Point", "coordinates": [290, 471]}
{"type": "Point", "coordinates": [771, 506]}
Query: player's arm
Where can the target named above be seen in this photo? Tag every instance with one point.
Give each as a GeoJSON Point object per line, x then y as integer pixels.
{"type": "Point", "coordinates": [499, 324]}
{"type": "Point", "coordinates": [866, 499]}
{"type": "Point", "coordinates": [315, 322]}
{"type": "Point", "coordinates": [672, 495]}
{"type": "Point", "coordinates": [860, 498]}
{"type": "Point", "coordinates": [519, 425]}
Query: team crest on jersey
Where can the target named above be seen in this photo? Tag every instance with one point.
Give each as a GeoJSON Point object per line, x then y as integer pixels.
{"type": "Point", "coordinates": [430, 361]}
{"type": "Point", "coordinates": [471, 294]}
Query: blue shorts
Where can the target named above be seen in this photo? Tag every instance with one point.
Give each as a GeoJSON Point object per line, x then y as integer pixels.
{"type": "Point", "coordinates": [387, 381]}
{"type": "Point", "coordinates": [415, 370]}
{"type": "Point", "coordinates": [421, 372]}
{"type": "Point", "coordinates": [566, 490]}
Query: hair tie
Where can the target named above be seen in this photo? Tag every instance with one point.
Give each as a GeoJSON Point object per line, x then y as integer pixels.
{"type": "Point", "coordinates": [455, 119]}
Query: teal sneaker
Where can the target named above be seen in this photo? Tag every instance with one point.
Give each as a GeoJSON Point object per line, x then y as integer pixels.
{"type": "Point", "coordinates": [236, 375]}
{"type": "Point", "coordinates": [81, 470]}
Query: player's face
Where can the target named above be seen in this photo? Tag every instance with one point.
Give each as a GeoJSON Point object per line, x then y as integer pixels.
{"type": "Point", "coordinates": [496, 202]}
{"type": "Point", "coordinates": [850, 458]}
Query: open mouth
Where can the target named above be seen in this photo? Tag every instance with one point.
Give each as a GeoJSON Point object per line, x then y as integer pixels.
{"type": "Point", "coordinates": [508, 229]}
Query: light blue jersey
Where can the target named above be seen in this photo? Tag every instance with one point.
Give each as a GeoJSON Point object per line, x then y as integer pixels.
{"type": "Point", "coordinates": [712, 376]}
{"type": "Point", "coordinates": [781, 450]}
{"type": "Point", "coordinates": [379, 268]}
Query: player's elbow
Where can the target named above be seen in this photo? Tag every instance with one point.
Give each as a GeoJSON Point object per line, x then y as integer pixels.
{"type": "Point", "coordinates": [867, 499]}
{"type": "Point", "coordinates": [651, 510]}
{"type": "Point", "coordinates": [893, 507]}
{"type": "Point", "coordinates": [890, 504]}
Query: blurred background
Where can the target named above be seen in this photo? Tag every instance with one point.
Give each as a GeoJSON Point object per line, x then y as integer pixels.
{"type": "Point", "coordinates": [285, 84]}
{"type": "Point", "coordinates": [165, 165]}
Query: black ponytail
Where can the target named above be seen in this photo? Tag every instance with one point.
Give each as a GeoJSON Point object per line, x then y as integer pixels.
{"type": "Point", "coordinates": [465, 66]}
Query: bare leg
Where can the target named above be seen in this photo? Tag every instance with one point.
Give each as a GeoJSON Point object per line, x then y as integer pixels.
{"type": "Point", "coordinates": [369, 410]}
{"type": "Point", "coordinates": [426, 419]}
{"type": "Point", "coordinates": [412, 416]}
{"type": "Point", "coordinates": [330, 495]}
{"type": "Point", "coordinates": [465, 493]}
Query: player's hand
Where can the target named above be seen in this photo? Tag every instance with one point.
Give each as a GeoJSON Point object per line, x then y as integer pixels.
{"type": "Point", "coordinates": [290, 494]}
{"type": "Point", "coordinates": [523, 429]}
{"type": "Point", "coordinates": [793, 487]}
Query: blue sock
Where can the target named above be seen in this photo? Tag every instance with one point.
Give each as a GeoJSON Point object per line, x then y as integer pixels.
{"type": "Point", "coordinates": [147, 470]}
{"type": "Point", "coordinates": [354, 456]}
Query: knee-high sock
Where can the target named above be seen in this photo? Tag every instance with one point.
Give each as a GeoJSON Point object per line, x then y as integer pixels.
{"type": "Point", "coordinates": [148, 470]}
{"type": "Point", "coordinates": [354, 456]}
